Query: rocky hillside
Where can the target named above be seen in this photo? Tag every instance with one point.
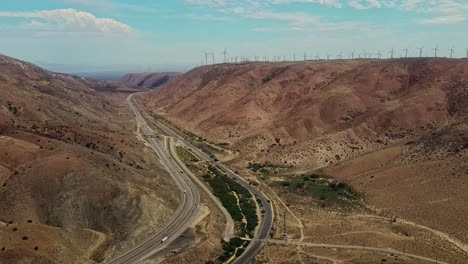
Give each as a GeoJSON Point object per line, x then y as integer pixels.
{"type": "Point", "coordinates": [149, 80]}
{"type": "Point", "coordinates": [391, 128]}
{"type": "Point", "coordinates": [76, 186]}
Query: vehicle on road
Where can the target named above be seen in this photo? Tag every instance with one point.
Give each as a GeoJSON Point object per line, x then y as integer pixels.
{"type": "Point", "coordinates": [164, 240]}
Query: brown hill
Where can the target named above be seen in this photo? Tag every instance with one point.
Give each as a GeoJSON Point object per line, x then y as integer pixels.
{"type": "Point", "coordinates": [396, 130]}
{"type": "Point", "coordinates": [149, 80]}
{"type": "Point", "coordinates": [75, 185]}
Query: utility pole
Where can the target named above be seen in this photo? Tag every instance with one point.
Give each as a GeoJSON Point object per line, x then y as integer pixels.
{"type": "Point", "coordinates": [284, 228]}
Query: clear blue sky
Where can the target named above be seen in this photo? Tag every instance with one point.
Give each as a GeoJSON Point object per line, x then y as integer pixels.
{"type": "Point", "coordinates": [88, 34]}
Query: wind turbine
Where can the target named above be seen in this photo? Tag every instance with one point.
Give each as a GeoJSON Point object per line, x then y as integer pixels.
{"type": "Point", "coordinates": [420, 51]}
{"type": "Point", "coordinates": [328, 56]}
{"type": "Point", "coordinates": [451, 52]}
{"type": "Point", "coordinates": [379, 55]}
{"type": "Point", "coordinates": [225, 54]}
{"type": "Point", "coordinates": [436, 50]}
{"type": "Point", "coordinates": [352, 54]}
{"type": "Point", "coordinates": [391, 53]}
{"type": "Point", "coordinates": [213, 58]}
{"type": "Point", "coordinates": [406, 52]}
{"type": "Point", "coordinates": [340, 55]}
{"type": "Point", "coordinates": [206, 56]}
{"type": "Point", "coordinates": [305, 56]}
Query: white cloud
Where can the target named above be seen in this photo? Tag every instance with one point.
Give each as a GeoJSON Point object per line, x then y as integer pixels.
{"type": "Point", "coordinates": [69, 20]}
{"type": "Point", "coordinates": [443, 20]}
{"type": "Point", "coordinates": [208, 17]}
{"type": "Point", "coordinates": [365, 4]}
{"type": "Point", "coordinates": [436, 11]}
{"type": "Point", "coordinates": [330, 3]}
{"type": "Point", "coordinates": [109, 5]}
{"type": "Point", "coordinates": [263, 10]}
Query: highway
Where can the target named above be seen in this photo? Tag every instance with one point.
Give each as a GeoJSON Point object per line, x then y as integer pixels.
{"type": "Point", "coordinates": [187, 211]}
{"type": "Point", "coordinates": [266, 220]}
{"type": "Point", "coordinates": [229, 228]}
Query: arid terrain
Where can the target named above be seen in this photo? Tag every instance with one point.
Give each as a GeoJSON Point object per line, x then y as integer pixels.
{"type": "Point", "coordinates": [76, 186]}
{"type": "Point", "coordinates": [148, 80]}
{"type": "Point", "coordinates": [394, 131]}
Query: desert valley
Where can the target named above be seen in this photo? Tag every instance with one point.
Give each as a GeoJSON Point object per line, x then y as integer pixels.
{"type": "Point", "coordinates": [361, 161]}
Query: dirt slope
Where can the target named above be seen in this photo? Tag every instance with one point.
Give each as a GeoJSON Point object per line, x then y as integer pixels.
{"type": "Point", "coordinates": [396, 130]}
{"type": "Point", "coordinates": [75, 185]}
{"type": "Point", "coordinates": [149, 80]}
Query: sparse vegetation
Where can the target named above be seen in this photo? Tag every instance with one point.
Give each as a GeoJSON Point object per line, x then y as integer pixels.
{"type": "Point", "coordinates": [328, 191]}
{"type": "Point", "coordinates": [231, 246]}
{"type": "Point", "coordinates": [224, 188]}
{"type": "Point", "coordinates": [185, 155]}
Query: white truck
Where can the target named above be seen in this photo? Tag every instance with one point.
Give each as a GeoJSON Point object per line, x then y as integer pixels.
{"type": "Point", "coordinates": [164, 239]}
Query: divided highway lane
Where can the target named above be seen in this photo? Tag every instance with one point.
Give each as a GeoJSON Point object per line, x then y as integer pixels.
{"type": "Point", "coordinates": [185, 214]}
{"type": "Point", "coordinates": [266, 221]}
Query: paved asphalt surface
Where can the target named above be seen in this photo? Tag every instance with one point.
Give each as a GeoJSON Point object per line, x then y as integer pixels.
{"type": "Point", "coordinates": [188, 211]}
{"type": "Point", "coordinates": [266, 221]}
{"type": "Point", "coordinates": [229, 228]}
{"type": "Point", "coordinates": [185, 214]}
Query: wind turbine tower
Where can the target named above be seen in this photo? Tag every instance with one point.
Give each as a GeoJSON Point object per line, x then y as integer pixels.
{"type": "Point", "coordinates": [225, 54]}
{"type": "Point", "coordinates": [420, 51]}
{"type": "Point", "coordinates": [436, 50]}
{"type": "Point", "coordinates": [406, 52]}
{"type": "Point", "coordinates": [379, 55]}
{"type": "Point", "coordinates": [352, 54]}
{"type": "Point", "coordinates": [451, 52]}
{"type": "Point", "coordinates": [213, 58]}
{"type": "Point", "coordinates": [391, 53]}
{"type": "Point", "coordinates": [305, 56]}
{"type": "Point", "coordinates": [206, 57]}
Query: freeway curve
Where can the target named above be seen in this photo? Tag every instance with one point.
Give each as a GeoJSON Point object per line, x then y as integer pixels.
{"type": "Point", "coordinates": [186, 213]}
{"type": "Point", "coordinates": [266, 221]}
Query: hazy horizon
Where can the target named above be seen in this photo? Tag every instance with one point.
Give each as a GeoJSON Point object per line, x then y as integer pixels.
{"type": "Point", "coordinates": [171, 35]}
